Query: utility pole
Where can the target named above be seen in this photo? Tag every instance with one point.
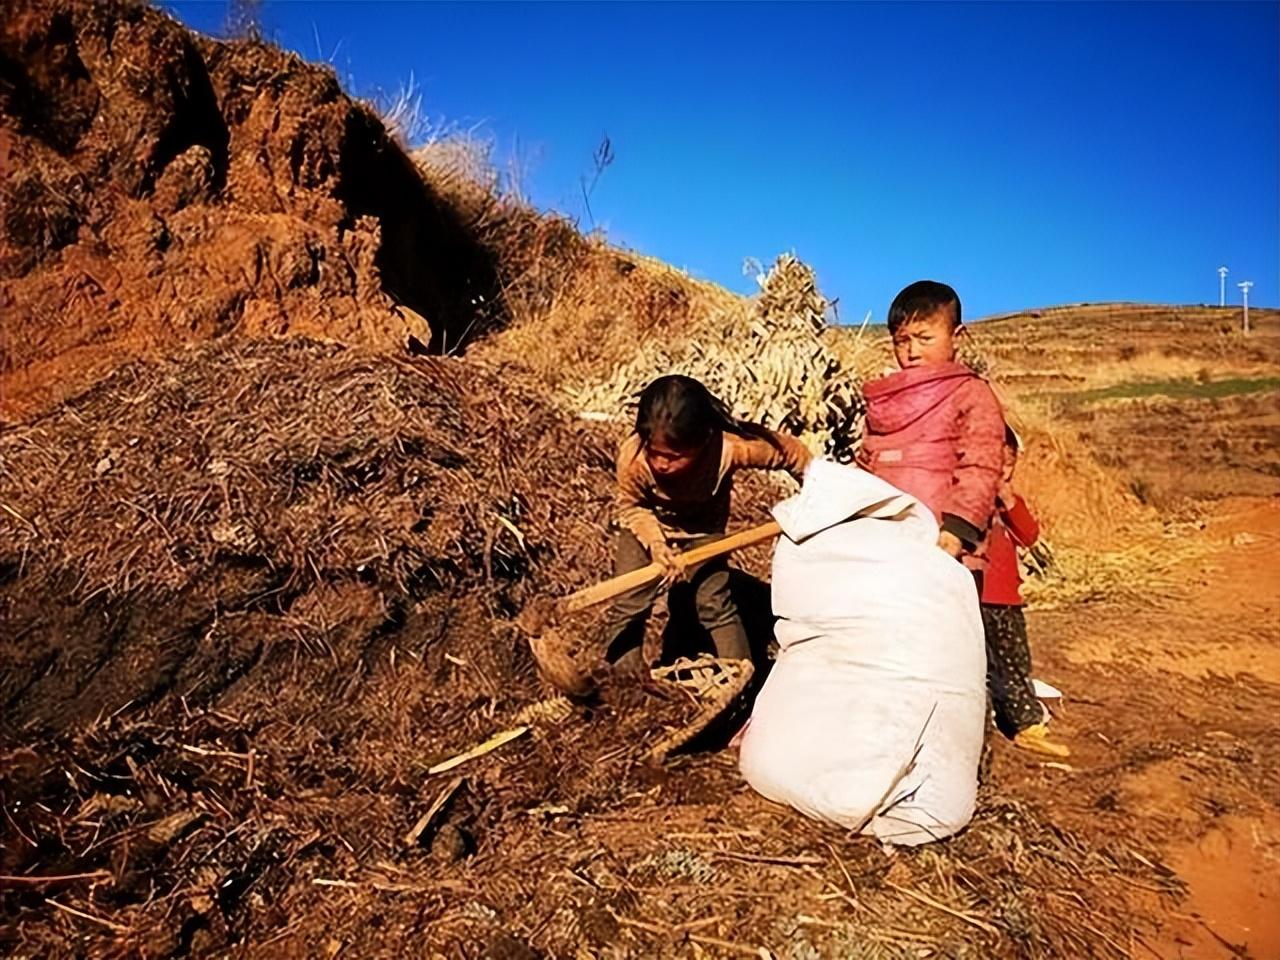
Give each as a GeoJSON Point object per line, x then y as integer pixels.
{"type": "Point", "coordinates": [1222, 286]}
{"type": "Point", "coordinates": [1244, 290]}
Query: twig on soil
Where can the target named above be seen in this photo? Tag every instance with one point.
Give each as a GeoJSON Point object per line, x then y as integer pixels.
{"type": "Point", "coordinates": [19, 881]}
{"type": "Point", "coordinates": [1158, 867]}
{"type": "Point", "coordinates": [215, 753]}
{"type": "Point", "coordinates": [808, 921]}
{"type": "Point", "coordinates": [493, 743]}
{"type": "Point", "coordinates": [1235, 949]}
{"type": "Point", "coordinates": [739, 893]}
{"type": "Point", "coordinates": [582, 880]}
{"type": "Point", "coordinates": [719, 835]}
{"type": "Point", "coordinates": [725, 944]}
{"type": "Point", "coordinates": [16, 515]}
{"type": "Point", "coordinates": [642, 925]}
{"type": "Point", "coordinates": [768, 858]}
{"type": "Point", "coordinates": [109, 924]}
{"type": "Point", "coordinates": [424, 821]}
{"type": "Point", "coordinates": [684, 930]}
{"type": "Point", "coordinates": [853, 891]}
{"type": "Point", "coordinates": [17, 829]}
{"type": "Point", "coordinates": [958, 914]}
{"type": "Point", "coordinates": [690, 925]}
{"type": "Point", "coordinates": [835, 890]}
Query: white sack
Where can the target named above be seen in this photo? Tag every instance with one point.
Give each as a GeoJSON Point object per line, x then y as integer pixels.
{"type": "Point", "coordinates": [873, 715]}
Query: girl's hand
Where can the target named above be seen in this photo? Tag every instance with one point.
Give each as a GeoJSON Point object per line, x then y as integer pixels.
{"type": "Point", "coordinates": [669, 557]}
{"type": "Point", "coordinates": [950, 543]}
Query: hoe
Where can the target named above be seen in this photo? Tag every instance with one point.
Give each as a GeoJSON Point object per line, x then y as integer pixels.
{"type": "Point", "coordinates": [713, 682]}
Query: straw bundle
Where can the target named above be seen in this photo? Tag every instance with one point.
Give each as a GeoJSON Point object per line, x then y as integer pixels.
{"type": "Point", "coordinates": [769, 361]}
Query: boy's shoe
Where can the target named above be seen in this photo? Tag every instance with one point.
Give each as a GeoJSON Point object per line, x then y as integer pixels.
{"type": "Point", "coordinates": [1035, 738]}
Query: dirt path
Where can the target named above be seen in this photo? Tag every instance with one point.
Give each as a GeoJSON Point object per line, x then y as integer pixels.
{"type": "Point", "coordinates": [1171, 712]}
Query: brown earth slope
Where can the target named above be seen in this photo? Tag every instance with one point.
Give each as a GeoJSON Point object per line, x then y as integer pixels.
{"type": "Point", "coordinates": [162, 188]}
{"type": "Point", "coordinates": [158, 188]}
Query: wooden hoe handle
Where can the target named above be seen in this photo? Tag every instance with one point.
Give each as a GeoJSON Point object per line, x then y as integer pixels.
{"type": "Point", "coordinates": [608, 589]}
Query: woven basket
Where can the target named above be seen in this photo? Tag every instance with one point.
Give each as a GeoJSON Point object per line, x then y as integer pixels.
{"type": "Point", "coordinates": [715, 683]}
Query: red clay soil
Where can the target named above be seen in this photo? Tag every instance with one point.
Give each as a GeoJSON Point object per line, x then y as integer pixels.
{"type": "Point", "coordinates": [158, 188]}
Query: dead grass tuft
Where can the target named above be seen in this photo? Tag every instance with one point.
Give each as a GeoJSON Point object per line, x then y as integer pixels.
{"type": "Point", "coordinates": [768, 359]}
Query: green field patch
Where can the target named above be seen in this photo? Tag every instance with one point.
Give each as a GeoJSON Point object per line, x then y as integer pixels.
{"type": "Point", "coordinates": [1179, 389]}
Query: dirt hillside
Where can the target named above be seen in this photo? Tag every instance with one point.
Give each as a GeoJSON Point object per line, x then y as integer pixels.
{"type": "Point", "coordinates": [261, 565]}
{"type": "Point", "coordinates": [163, 188]}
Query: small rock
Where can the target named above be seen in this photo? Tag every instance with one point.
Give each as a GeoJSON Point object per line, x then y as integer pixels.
{"type": "Point", "coordinates": [103, 465]}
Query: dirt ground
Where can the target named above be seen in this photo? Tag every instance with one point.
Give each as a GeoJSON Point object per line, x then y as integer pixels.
{"type": "Point", "coordinates": [262, 812]}
{"type": "Point", "coordinates": [1174, 731]}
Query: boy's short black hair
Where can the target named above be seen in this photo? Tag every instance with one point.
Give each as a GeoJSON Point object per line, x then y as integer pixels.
{"type": "Point", "coordinates": [921, 299]}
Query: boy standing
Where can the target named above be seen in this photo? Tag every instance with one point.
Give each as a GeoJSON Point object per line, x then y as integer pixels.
{"type": "Point", "coordinates": [935, 429]}
{"type": "Point", "coordinates": [1019, 715]}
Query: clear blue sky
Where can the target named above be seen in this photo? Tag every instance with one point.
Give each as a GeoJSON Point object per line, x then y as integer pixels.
{"type": "Point", "coordinates": [1028, 153]}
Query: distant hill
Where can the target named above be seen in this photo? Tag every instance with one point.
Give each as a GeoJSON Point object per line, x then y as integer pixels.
{"type": "Point", "coordinates": [1134, 312]}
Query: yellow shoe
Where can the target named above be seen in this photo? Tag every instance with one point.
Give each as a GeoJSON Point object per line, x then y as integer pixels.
{"type": "Point", "coordinates": [1036, 739]}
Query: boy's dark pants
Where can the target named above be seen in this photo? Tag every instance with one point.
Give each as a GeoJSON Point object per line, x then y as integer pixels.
{"type": "Point", "coordinates": [1013, 698]}
{"type": "Point", "coordinates": [710, 585]}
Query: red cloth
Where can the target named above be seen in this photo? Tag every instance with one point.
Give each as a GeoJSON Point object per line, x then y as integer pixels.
{"type": "Point", "coordinates": [937, 433]}
{"type": "Point", "coordinates": [1014, 527]}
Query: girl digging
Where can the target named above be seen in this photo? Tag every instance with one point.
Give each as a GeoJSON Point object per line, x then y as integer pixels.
{"type": "Point", "coordinates": [675, 477]}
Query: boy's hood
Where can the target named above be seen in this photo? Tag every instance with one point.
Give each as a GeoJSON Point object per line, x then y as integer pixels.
{"type": "Point", "coordinates": [899, 399]}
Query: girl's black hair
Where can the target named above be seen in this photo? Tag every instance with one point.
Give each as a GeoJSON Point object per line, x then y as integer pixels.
{"type": "Point", "coordinates": [683, 411]}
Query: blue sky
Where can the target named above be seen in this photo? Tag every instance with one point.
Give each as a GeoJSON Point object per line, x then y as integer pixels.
{"type": "Point", "coordinates": [1027, 153]}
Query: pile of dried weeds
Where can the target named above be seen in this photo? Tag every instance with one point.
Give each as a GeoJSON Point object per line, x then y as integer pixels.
{"type": "Point", "coordinates": [258, 589]}
{"type": "Point", "coordinates": [250, 481]}
{"type": "Point", "coordinates": [768, 359]}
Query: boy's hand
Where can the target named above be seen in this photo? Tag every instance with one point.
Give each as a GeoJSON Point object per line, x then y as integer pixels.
{"type": "Point", "coordinates": [1005, 496]}
{"type": "Point", "coordinates": [669, 557]}
{"type": "Point", "coordinates": [950, 543]}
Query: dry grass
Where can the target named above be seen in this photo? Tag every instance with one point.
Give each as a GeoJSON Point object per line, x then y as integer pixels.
{"type": "Point", "coordinates": [569, 303]}
{"type": "Point", "coordinates": [402, 114]}
{"type": "Point", "coordinates": [768, 359]}
{"type": "Point", "coordinates": [1096, 345]}
{"type": "Point", "coordinates": [581, 306]}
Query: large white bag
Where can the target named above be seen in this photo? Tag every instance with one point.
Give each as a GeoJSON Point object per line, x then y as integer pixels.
{"type": "Point", "coordinates": [873, 715]}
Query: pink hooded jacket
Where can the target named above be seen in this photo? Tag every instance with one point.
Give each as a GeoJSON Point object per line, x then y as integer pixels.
{"type": "Point", "coordinates": [937, 433]}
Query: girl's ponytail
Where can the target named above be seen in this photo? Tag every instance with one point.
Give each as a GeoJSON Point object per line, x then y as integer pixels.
{"type": "Point", "coordinates": [683, 411]}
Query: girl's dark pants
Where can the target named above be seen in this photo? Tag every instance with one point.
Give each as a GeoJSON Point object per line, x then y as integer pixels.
{"type": "Point", "coordinates": [1013, 698]}
{"type": "Point", "coordinates": [709, 584]}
